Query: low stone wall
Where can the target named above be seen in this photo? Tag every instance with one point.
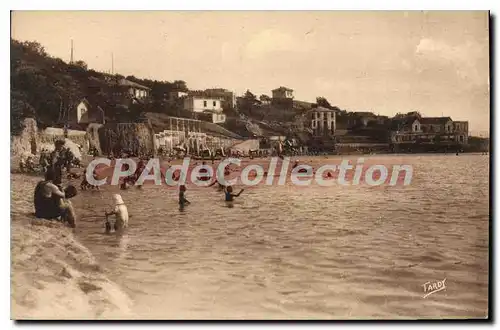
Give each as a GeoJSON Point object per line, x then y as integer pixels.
{"type": "Point", "coordinates": [27, 141]}
{"type": "Point", "coordinates": [136, 137]}
{"type": "Point", "coordinates": [93, 137]}
{"type": "Point", "coordinates": [32, 141]}
{"type": "Point", "coordinates": [47, 137]}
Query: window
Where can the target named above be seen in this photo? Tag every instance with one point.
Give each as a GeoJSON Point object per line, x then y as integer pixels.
{"type": "Point", "coordinates": [416, 128]}
{"type": "Point", "coordinates": [215, 103]}
{"type": "Point", "coordinates": [205, 104]}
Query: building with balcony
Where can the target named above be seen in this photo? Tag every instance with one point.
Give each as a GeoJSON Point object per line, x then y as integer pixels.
{"type": "Point", "coordinates": [429, 130]}
{"type": "Point", "coordinates": [127, 88]}
{"type": "Point", "coordinates": [322, 121]}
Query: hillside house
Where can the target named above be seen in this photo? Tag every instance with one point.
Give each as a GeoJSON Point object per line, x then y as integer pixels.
{"type": "Point", "coordinates": [228, 98]}
{"type": "Point", "coordinates": [130, 89]}
{"type": "Point", "coordinates": [205, 108]}
{"type": "Point", "coordinates": [434, 130]}
{"type": "Point", "coordinates": [461, 130]}
{"type": "Point", "coordinates": [195, 103]}
{"type": "Point", "coordinates": [83, 113]}
{"type": "Point", "coordinates": [282, 93]}
{"type": "Point", "coordinates": [437, 125]}
{"type": "Point", "coordinates": [322, 121]}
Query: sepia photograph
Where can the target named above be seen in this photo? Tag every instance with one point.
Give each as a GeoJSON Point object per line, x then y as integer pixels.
{"type": "Point", "coordinates": [250, 165]}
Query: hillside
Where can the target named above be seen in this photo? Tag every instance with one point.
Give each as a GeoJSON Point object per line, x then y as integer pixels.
{"type": "Point", "coordinates": [45, 87]}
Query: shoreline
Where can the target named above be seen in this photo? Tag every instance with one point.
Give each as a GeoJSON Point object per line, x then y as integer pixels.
{"type": "Point", "coordinates": [54, 276]}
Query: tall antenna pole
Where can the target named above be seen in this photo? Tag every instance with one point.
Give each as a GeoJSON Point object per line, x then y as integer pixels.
{"type": "Point", "coordinates": [112, 64]}
{"type": "Point", "coordinates": [71, 59]}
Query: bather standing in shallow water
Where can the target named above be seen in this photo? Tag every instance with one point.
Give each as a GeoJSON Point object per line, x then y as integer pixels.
{"type": "Point", "coordinates": [228, 192]}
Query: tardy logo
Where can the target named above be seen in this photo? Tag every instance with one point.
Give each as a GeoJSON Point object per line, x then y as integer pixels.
{"type": "Point", "coordinates": [431, 287]}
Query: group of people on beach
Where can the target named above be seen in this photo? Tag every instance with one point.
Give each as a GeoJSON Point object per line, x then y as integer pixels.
{"type": "Point", "coordinates": [52, 201]}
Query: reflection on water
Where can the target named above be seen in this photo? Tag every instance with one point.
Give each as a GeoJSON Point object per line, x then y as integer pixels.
{"type": "Point", "coordinates": [299, 252]}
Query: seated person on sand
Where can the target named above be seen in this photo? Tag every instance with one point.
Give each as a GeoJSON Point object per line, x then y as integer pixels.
{"type": "Point", "coordinates": [50, 201]}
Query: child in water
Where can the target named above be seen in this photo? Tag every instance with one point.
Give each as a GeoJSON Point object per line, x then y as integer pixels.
{"type": "Point", "coordinates": [229, 193]}
{"type": "Point", "coordinates": [182, 199]}
{"type": "Point", "coordinates": [121, 213]}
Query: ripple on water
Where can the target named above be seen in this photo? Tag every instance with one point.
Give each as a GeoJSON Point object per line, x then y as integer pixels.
{"type": "Point", "coordinates": [315, 252]}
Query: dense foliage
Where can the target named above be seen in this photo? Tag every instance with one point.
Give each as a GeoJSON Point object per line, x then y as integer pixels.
{"type": "Point", "coordinates": [45, 88]}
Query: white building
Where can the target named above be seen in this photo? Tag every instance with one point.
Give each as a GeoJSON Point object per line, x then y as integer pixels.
{"type": "Point", "coordinates": [201, 104]}
{"type": "Point", "coordinates": [131, 88]}
{"type": "Point", "coordinates": [227, 97]}
{"type": "Point", "coordinates": [206, 108]}
{"type": "Point", "coordinates": [83, 113]}
{"type": "Point", "coordinates": [323, 121]}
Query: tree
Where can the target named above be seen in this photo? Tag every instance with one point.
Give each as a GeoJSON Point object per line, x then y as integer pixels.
{"type": "Point", "coordinates": [81, 64]}
{"type": "Point", "coordinates": [248, 102]}
{"type": "Point", "coordinates": [264, 98]}
{"type": "Point", "coordinates": [180, 85]}
{"type": "Point", "coordinates": [249, 96]}
{"type": "Point", "coordinates": [34, 47]}
{"type": "Point", "coordinates": [19, 109]}
{"type": "Point", "coordinates": [323, 102]}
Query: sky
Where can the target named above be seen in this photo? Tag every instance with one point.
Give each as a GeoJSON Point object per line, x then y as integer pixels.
{"type": "Point", "coordinates": [386, 62]}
